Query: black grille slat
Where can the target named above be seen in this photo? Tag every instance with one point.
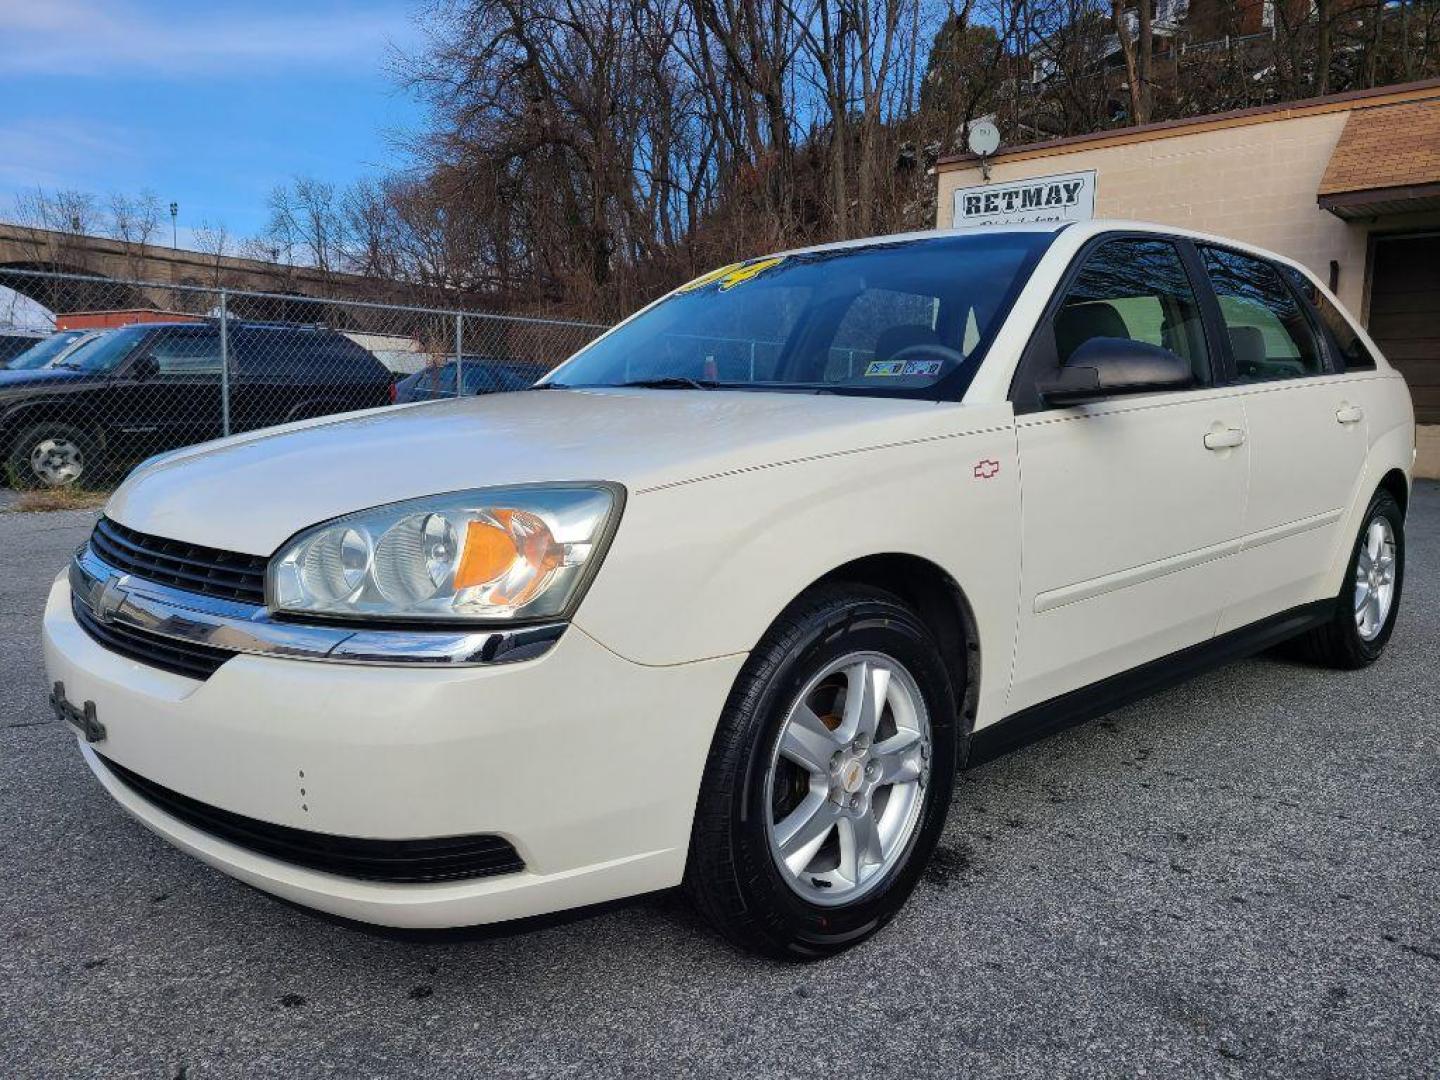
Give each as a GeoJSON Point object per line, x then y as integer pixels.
{"type": "Point", "coordinates": [226, 575]}
{"type": "Point", "coordinates": [446, 858]}
{"type": "Point", "coordinates": [202, 564]}
{"type": "Point", "coordinates": [167, 574]}
{"type": "Point", "coordinates": [179, 657]}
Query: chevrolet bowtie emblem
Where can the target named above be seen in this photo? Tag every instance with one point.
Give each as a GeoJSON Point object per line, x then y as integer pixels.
{"type": "Point", "coordinates": [111, 597]}
{"type": "Point", "coordinates": [986, 468]}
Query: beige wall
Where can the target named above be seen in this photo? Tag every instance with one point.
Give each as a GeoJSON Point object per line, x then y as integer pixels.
{"type": "Point", "coordinates": [1252, 182]}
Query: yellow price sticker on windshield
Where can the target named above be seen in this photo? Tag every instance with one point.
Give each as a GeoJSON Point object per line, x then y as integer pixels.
{"type": "Point", "coordinates": [733, 274]}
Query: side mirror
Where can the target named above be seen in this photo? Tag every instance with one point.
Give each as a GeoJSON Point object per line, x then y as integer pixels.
{"type": "Point", "coordinates": [1105, 366]}
{"type": "Point", "coordinates": [144, 367]}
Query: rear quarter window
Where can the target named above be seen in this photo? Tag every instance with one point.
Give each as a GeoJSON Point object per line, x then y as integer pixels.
{"type": "Point", "coordinates": [360, 364]}
{"type": "Point", "coordinates": [1346, 342]}
{"type": "Point", "coordinates": [307, 356]}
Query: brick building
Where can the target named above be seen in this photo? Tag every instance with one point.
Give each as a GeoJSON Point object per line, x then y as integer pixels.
{"type": "Point", "coordinates": [1348, 184]}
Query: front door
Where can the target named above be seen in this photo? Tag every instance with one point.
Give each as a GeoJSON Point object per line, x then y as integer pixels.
{"type": "Point", "coordinates": [174, 390]}
{"type": "Point", "coordinates": [1131, 506]}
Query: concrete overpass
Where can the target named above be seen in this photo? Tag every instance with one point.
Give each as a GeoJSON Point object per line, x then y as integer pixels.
{"type": "Point", "coordinates": [26, 254]}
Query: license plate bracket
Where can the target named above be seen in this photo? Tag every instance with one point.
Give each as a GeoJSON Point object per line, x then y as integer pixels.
{"type": "Point", "coordinates": [82, 718]}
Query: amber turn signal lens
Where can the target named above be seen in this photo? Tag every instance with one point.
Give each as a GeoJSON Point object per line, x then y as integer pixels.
{"type": "Point", "coordinates": [489, 552]}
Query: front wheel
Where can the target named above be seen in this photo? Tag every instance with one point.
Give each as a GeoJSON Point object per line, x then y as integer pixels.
{"type": "Point", "coordinates": [829, 777]}
{"type": "Point", "coordinates": [52, 455]}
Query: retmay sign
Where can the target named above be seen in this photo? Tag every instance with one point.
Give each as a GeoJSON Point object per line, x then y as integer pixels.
{"type": "Point", "coordinates": [1063, 197]}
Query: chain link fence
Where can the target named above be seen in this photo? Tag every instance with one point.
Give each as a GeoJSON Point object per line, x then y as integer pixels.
{"type": "Point", "coordinates": [127, 369]}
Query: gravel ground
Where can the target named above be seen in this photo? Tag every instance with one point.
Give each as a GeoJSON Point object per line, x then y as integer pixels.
{"type": "Point", "coordinates": [1234, 878]}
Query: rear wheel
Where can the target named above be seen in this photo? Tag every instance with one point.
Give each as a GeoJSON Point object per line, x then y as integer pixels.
{"type": "Point", "coordinates": [1369, 596]}
{"type": "Point", "coordinates": [52, 455]}
{"type": "Point", "coordinates": [829, 777]}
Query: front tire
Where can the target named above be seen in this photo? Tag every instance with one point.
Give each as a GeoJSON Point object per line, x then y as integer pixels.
{"type": "Point", "coordinates": [52, 455]}
{"type": "Point", "coordinates": [1369, 596]}
{"type": "Point", "coordinates": [829, 777]}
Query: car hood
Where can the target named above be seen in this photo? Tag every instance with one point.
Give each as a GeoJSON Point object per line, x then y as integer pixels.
{"type": "Point", "coordinates": [42, 376]}
{"type": "Point", "coordinates": [251, 492]}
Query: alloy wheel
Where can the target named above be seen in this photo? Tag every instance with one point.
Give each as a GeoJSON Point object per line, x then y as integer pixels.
{"type": "Point", "coordinates": [1375, 579]}
{"type": "Point", "coordinates": [847, 778]}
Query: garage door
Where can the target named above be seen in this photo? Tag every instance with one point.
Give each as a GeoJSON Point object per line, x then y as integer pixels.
{"type": "Point", "coordinates": [1405, 315]}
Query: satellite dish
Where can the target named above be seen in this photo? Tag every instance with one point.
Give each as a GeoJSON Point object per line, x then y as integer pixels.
{"type": "Point", "coordinates": [983, 138]}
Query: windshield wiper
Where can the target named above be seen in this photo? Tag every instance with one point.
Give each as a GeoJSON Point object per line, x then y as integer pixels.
{"type": "Point", "coordinates": [673, 382]}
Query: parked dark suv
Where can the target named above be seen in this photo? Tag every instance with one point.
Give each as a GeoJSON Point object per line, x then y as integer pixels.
{"type": "Point", "coordinates": [138, 390]}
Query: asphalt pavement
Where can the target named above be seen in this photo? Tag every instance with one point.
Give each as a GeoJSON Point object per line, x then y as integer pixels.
{"type": "Point", "coordinates": [1238, 877]}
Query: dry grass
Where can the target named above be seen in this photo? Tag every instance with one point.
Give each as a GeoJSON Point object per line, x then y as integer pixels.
{"type": "Point", "coordinates": [68, 498]}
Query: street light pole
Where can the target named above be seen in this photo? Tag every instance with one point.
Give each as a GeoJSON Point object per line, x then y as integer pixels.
{"type": "Point", "coordinates": [174, 214]}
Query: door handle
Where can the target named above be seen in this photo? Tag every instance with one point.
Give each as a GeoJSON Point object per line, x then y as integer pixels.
{"type": "Point", "coordinates": [1224, 439]}
{"type": "Point", "coordinates": [1350, 414]}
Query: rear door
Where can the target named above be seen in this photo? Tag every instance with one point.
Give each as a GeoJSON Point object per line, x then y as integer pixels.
{"type": "Point", "coordinates": [287, 373]}
{"type": "Point", "coordinates": [1128, 516]}
{"type": "Point", "coordinates": [1308, 436]}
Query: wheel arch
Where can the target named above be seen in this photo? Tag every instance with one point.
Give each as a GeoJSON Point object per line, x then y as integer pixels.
{"type": "Point", "coordinates": [22, 415]}
{"type": "Point", "coordinates": [942, 605]}
{"type": "Point", "coordinates": [1397, 485]}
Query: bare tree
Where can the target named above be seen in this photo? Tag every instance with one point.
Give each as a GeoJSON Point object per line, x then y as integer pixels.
{"type": "Point", "coordinates": [133, 220]}
{"type": "Point", "coordinates": [589, 153]}
{"type": "Point", "coordinates": [64, 210]}
{"type": "Point", "coordinates": [213, 241]}
{"type": "Point", "coordinates": [58, 222]}
{"type": "Point", "coordinates": [1138, 51]}
{"type": "Point", "coordinates": [308, 224]}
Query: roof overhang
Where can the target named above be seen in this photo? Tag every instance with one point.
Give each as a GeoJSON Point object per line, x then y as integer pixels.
{"type": "Point", "coordinates": [1375, 202]}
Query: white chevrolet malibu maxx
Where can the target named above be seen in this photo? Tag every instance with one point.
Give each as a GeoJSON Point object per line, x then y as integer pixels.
{"type": "Point", "coordinates": [730, 598]}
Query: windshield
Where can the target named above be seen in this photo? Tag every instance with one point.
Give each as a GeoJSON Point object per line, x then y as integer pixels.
{"type": "Point", "coordinates": [102, 353]}
{"type": "Point", "coordinates": [908, 318]}
{"type": "Point", "coordinates": [46, 350]}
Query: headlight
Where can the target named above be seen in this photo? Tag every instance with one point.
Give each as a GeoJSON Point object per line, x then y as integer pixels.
{"type": "Point", "coordinates": [495, 554]}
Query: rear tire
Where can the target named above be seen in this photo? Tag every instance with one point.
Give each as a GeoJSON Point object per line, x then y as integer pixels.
{"type": "Point", "coordinates": [52, 455]}
{"type": "Point", "coordinates": [1369, 596]}
{"type": "Point", "coordinates": [880, 798]}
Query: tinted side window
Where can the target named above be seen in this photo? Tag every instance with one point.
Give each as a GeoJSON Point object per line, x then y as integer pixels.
{"type": "Point", "coordinates": [355, 363]}
{"type": "Point", "coordinates": [485, 377]}
{"type": "Point", "coordinates": [1135, 289]}
{"type": "Point", "coordinates": [261, 354]}
{"type": "Point", "coordinates": [181, 353]}
{"type": "Point", "coordinates": [438, 380]}
{"type": "Point", "coordinates": [1350, 349]}
{"type": "Point", "coordinates": [1269, 334]}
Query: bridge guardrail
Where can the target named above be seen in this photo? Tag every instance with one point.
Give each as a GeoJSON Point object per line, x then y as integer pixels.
{"type": "Point", "coordinates": [135, 368]}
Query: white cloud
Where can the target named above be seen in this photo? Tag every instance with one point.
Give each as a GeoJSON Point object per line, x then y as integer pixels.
{"type": "Point", "coordinates": [84, 38]}
{"type": "Point", "coordinates": [48, 153]}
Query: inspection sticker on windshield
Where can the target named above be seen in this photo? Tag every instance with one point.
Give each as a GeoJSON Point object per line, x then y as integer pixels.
{"type": "Point", "coordinates": [903, 367]}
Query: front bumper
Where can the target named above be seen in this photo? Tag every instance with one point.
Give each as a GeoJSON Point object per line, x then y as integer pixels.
{"type": "Point", "coordinates": [587, 763]}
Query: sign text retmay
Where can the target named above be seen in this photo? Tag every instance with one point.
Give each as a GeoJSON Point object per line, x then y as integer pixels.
{"type": "Point", "coordinates": [1066, 197]}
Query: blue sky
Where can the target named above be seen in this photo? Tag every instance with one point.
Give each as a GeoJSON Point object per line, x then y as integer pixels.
{"type": "Point", "coordinates": [209, 104]}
